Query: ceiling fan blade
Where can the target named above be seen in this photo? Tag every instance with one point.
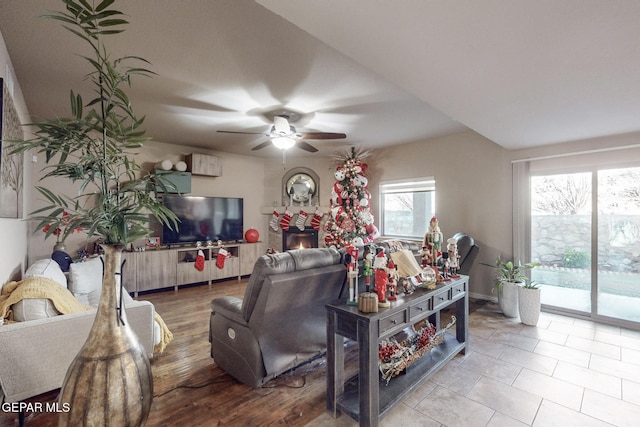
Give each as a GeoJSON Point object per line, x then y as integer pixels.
{"type": "Point", "coordinates": [306, 147]}
{"type": "Point", "coordinates": [244, 133]}
{"type": "Point", "coordinates": [322, 135]}
{"type": "Point", "coordinates": [261, 146]}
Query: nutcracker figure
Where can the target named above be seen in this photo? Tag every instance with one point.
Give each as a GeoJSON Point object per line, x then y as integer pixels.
{"type": "Point", "coordinates": [367, 270]}
{"type": "Point", "coordinates": [393, 280]}
{"type": "Point", "coordinates": [433, 240]}
{"type": "Point", "coordinates": [454, 257]}
{"type": "Point", "coordinates": [351, 261]}
{"type": "Point", "coordinates": [367, 301]}
{"type": "Point", "coordinates": [382, 278]}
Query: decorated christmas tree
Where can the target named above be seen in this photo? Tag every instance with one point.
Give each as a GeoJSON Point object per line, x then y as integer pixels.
{"type": "Point", "coordinates": [350, 218]}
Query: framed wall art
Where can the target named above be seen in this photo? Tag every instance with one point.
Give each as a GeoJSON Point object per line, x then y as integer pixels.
{"type": "Point", "coordinates": [11, 165]}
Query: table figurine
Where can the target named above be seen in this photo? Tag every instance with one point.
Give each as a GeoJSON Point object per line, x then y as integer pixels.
{"type": "Point", "coordinates": [367, 301]}
{"type": "Point", "coordinates": [367, 271]}
{"type": "Point", "coordinates": [433, 240]}
{"type": "Point", "coordinates": [425, 256]}
{"type": "Point", "coordinates": [393, 280]}
{"type": "Point", "coordinates": [406, 285]}
{"type": "Point", "coordinates": [382, 278]}
{"type": "Point", "coordinates": [445, 267]}
{"type": "Point", "coordinates": [351, 261]}
{"type": "Point", "coordinates": [454, 258]}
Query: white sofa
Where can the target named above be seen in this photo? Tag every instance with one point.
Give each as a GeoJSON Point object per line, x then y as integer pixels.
{"type": "Point", "coordinates": [36, 351]}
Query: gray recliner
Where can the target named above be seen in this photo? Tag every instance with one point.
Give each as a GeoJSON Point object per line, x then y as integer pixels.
{"type": "Point", "coordinates": [281, 321]}
{"type": "Point", "coordinates": [468, 251]}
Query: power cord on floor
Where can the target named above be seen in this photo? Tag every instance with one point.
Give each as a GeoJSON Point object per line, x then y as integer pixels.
{"type": "Point", "coordinates": [208, 383]}
{"type": "Point", "coordinates": [317, 362]}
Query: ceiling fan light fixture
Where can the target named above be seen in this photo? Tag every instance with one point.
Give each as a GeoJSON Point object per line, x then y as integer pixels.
{"type": "Point", "coordinates": [283, 143]}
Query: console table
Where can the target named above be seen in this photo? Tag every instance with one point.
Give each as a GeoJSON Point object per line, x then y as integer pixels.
{"type": "Point", "coordinates": [366, 397]}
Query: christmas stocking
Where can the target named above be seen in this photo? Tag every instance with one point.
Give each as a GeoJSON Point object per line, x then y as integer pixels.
{"type": "Point", "coordinates": [285, 220]}
{"type": "Point", "coordinates": [222, 255]}
{"type": "Point", "coordinates": [273, 223]}
{"type": "Point", "coordinates": [200, 261]}
{"type": "Point", "coordinates": [317, 217]}
{"type": "Point", "coordinates": [301, 220]}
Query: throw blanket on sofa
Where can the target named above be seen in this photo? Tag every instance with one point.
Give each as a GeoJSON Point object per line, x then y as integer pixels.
{"type": "Point", "coordinates": [397, 246]}
{"type": "Point", "coordinates": [165, 335]}
{"type": "Point", "coordinates": [63, 301]}
{"type": "Point", "coordinates": [38, 287]}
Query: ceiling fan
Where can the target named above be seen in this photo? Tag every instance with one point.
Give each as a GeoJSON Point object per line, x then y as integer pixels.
{"type": "Point", "coordinates": [284, 136]}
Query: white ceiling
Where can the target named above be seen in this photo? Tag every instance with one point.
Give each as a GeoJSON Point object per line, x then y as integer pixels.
{"type": "Point", "coordinates": [522, 73]}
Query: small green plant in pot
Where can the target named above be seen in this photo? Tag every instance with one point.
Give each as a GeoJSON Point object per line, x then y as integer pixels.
{"type": "Point", "coordinates": [529, 303]}
{"type": "Point", "coordinates": [510, 271]}
{"type": "Point", "coordinates": [510, 276]}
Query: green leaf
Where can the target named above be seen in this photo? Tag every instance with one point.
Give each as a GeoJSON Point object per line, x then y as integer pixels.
{"type": "Point", "coordinates": [104, 5]}
{"type": "Point", "coordinates": [112, 22]}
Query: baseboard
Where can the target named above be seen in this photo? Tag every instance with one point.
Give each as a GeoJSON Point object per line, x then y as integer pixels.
{"type": "Point", "coordinates": [484, 297]}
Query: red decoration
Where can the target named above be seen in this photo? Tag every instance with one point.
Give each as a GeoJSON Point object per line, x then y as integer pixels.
{"type": "Point", "coordinates": [251, 235]}
{"type": "Point", "coordinates": [199, 264]}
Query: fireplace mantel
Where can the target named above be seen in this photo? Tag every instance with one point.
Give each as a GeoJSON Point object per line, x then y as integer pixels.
{"type": "Point", "coordinates": [268, 210]}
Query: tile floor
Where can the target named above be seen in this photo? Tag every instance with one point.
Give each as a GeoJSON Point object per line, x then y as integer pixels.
{"type": "Point", "coordinates": [563, 372]}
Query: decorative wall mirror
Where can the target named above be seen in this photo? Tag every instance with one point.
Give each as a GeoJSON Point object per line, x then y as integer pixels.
{"type": "Point", "coordinates": [300, 186]}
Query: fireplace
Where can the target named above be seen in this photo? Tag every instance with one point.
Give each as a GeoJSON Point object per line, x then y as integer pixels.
{"type": "Point", "coordinates": [297, 239]}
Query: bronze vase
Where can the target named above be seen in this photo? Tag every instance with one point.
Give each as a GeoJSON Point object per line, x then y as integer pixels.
{"type": "Point", "coordinates": [110, 381]}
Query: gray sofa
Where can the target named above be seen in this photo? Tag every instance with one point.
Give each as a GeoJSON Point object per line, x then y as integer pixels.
{"type": "Point", "coordinates": [467, 249]}
{"type": "Point", "coordinates": [281, 321]}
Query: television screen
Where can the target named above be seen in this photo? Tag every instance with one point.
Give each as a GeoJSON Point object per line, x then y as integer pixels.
{"type": "Point", "coordinates": [204, 218]}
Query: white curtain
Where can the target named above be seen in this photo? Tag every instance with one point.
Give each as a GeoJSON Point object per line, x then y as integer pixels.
{"type": "Point", "coordinates": [521, 210]}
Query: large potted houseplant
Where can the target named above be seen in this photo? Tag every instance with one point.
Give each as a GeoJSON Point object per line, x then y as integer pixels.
{"type": "Point", "coordinates": [510, 276]}
{"type": "Point", "coordinates": [115, 203]}
{"type": "Point", "coordinates": [529, 303]}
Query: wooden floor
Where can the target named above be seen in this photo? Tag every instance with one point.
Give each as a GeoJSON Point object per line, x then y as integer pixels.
{"type": "Point", "coordinates": [190, 390]}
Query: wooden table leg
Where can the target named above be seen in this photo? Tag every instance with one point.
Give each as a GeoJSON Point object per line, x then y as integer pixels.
{"type": "Point", "coordinates": [335, 365]}
{"type": "Point", "coordinates": [368, 374]}
{"type": "Point", "coordinates": [462, 320]}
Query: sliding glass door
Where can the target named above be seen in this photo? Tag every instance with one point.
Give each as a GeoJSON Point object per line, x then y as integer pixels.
{"type": "Point", "coordinates": [618, 278]}
{"type": "Point", "coordinates": [585, 230]}
{"type": "Point", "coordinates": [561, 223]}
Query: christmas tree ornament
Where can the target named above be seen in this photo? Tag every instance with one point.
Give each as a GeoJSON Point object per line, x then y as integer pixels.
{"type": "Point", "coordinates": [273, 223]}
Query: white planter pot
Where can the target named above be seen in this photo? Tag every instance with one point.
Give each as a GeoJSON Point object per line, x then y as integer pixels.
{"type": "Point", "coordinates": [508, 298]}
{"type": "Point", "coordinates": [529, 305]}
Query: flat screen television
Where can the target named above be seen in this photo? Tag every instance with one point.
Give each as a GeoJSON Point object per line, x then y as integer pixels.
{"type": "Point", "coordinates": [203, 219]}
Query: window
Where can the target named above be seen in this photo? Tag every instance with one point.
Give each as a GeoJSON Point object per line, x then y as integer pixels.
{"type": "Point", "coordinates": [407, 206]}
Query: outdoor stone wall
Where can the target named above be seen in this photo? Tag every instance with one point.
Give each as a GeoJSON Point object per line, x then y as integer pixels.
{"type": "Point", "coordinates": [556, 236]}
